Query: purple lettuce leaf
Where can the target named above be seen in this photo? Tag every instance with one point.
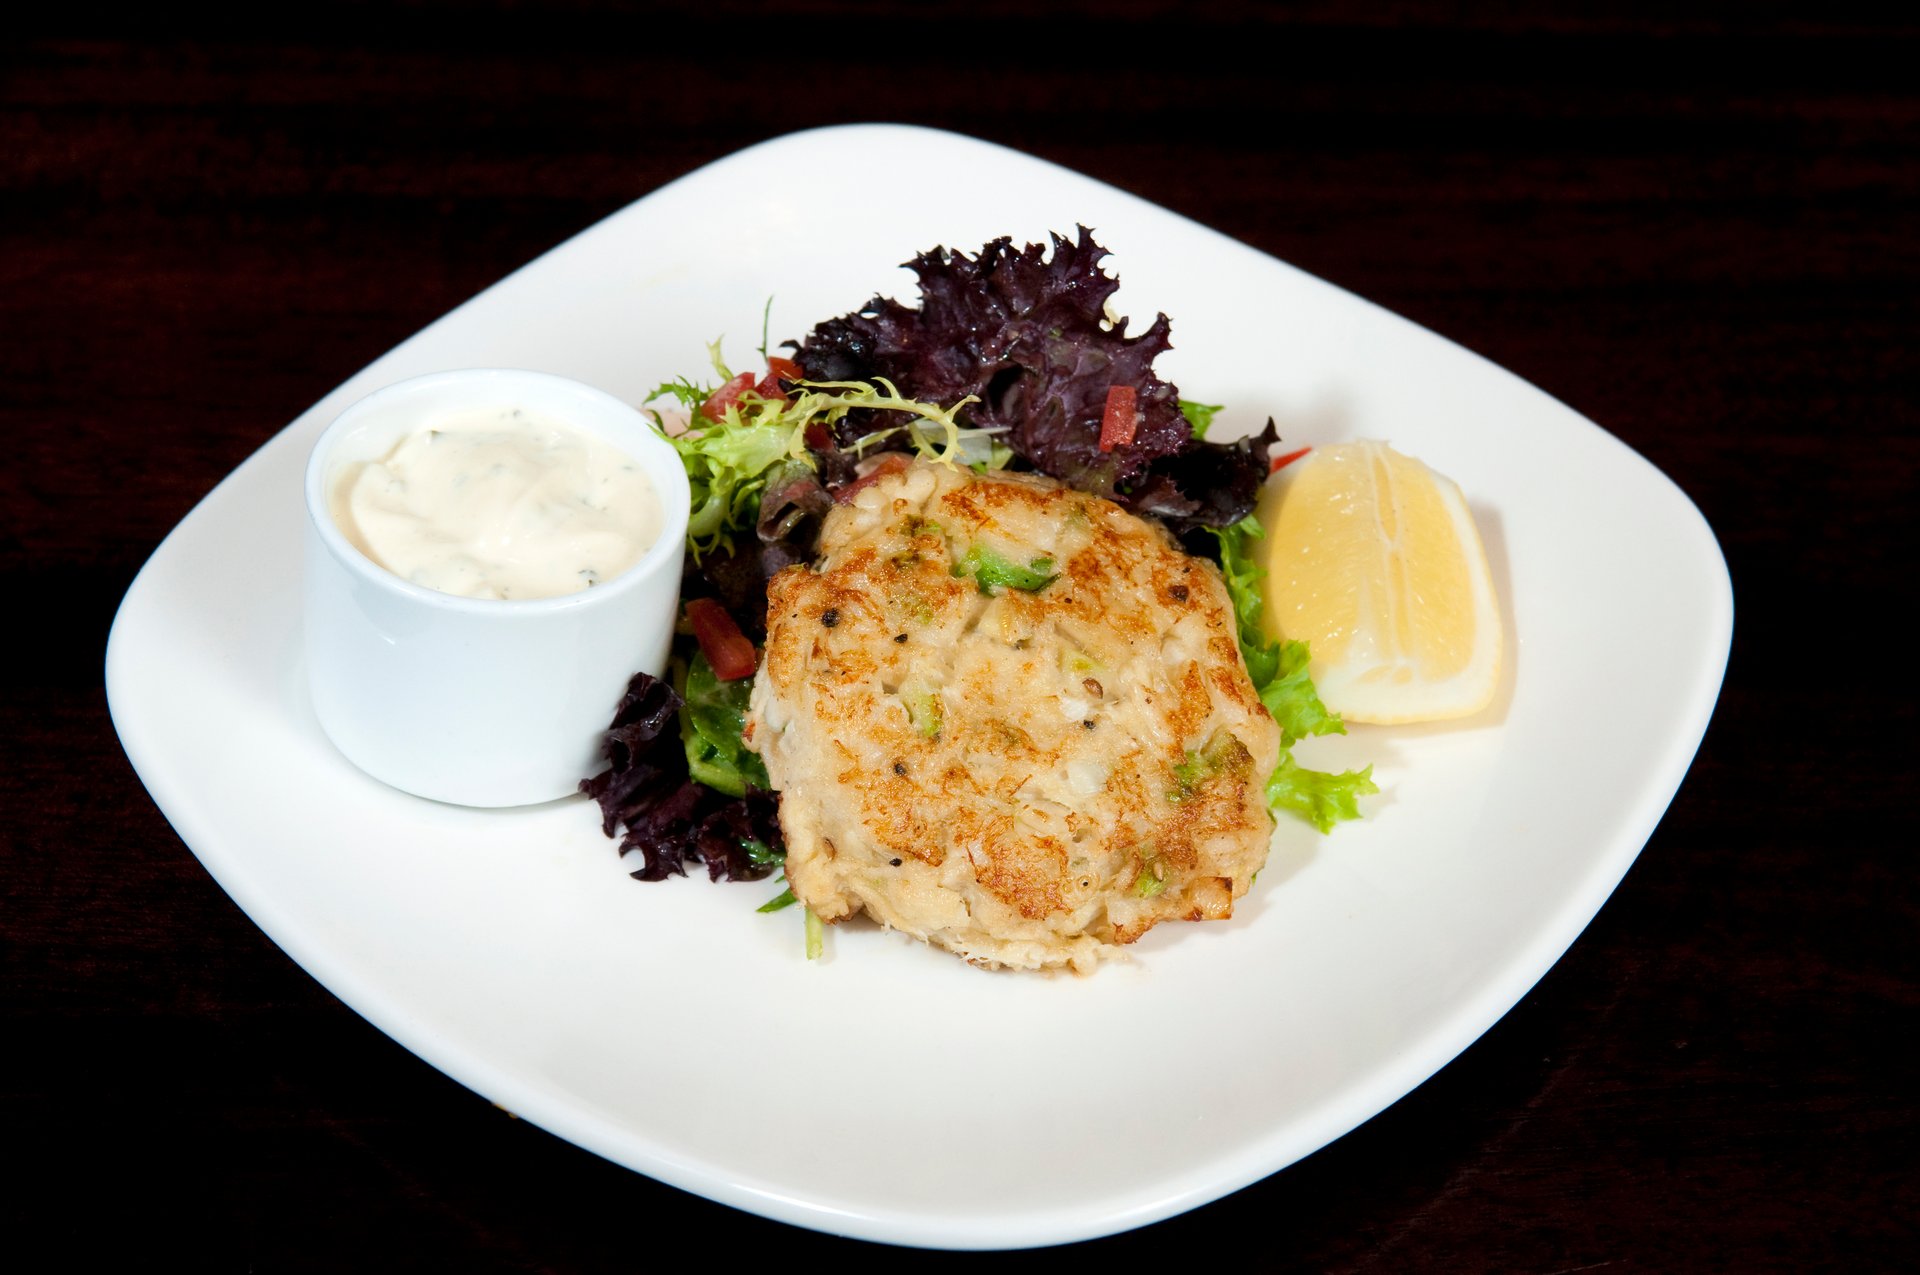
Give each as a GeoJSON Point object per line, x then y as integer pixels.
{"type": "Point", "coordinates": [1026, 333]}
{"type": "Point", "coordinates": [670, 819]}
{"type": "Point", "coordinates": [1208, 484]}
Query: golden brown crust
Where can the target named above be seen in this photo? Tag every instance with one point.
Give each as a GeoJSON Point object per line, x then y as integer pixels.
{"type": "Point", "coordinates": [1026, 777]}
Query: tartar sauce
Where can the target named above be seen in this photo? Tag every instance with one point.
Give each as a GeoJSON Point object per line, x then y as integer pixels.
{"type": "Point", "coordinates": [502, 505]}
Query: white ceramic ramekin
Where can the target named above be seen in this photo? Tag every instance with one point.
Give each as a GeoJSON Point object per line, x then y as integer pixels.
{"type": "Point", "coordinates": [475, 701]}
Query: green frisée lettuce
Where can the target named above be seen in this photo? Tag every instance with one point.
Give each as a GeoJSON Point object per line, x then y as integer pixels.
{"type": "Point", "coordinates": [730, 453]}
{"type": "Point", "coordinates": [727, 468]}
{"type": "Point", "coordinates": [1279, 674]}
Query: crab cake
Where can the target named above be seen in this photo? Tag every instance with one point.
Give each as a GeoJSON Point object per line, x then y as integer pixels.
{"type": "Point", "coordinates": [1010, 719]}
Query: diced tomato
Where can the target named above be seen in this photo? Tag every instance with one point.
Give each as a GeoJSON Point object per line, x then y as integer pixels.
{"type": "Point", "coordinates": [715, 408]}
{"type": "Point", "coordinates": [889, 463]}
{"type": "Point", "coordinates": [1281, 462]}
{"type": "Point", "coordinates": [1120, 420]}
{"type": "Point", "coordinates": [778, 369]}
{"type": "Point", "coordinates": [721, 640]}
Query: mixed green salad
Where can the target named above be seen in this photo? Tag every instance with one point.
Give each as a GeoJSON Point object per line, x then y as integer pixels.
{"type": "Point", "coordinates": [1012, 361]}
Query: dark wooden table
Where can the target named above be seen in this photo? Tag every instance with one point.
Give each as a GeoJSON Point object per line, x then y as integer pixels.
{"type": "Point", "coordinates": [1699, 232]}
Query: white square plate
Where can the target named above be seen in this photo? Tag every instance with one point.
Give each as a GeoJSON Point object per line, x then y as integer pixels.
{"type": "Point", "coordinates": [890, 1091]}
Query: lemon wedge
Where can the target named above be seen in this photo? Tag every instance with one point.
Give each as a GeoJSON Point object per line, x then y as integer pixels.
{"type": "Point", "coordinates": [1373, 560]}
